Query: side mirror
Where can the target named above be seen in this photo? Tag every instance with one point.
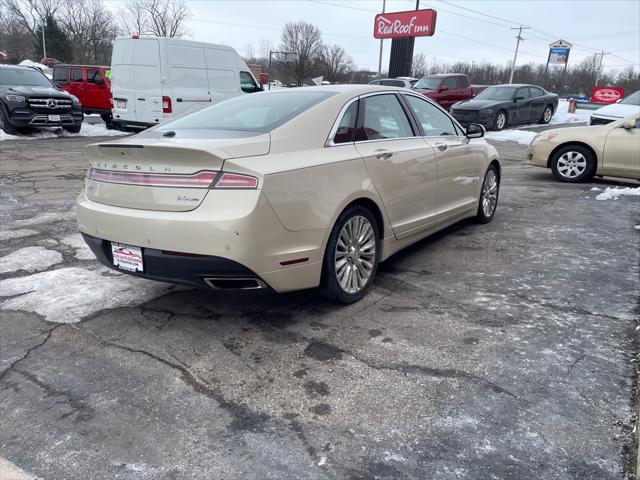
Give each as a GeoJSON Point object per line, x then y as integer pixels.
{"type": "Point", "coordinates": [629, 124]}
{"type": "Point", "coordinates": [475, 130]}
{"type": "Point", "coordinates": [443, 88]}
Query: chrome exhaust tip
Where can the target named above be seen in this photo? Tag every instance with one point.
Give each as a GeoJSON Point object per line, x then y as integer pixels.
{"type": "Point", "coordinates": [223, 283]}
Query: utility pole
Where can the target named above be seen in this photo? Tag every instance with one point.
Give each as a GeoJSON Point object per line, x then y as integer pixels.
{"type": "Point", "coordinates": [602, 54]}
{"type": "Point", "coordinates": [515, 55]}
{"type": "Point", "coordinates": [44, 44]}
{"type": "Point", "coordinates": [384, 4]}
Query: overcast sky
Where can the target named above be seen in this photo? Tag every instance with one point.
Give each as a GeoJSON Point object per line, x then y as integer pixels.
{"type": "Point", "coordinates": [460, 34]}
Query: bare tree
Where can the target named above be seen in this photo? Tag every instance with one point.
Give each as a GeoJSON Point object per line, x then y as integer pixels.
{"type": "Point", "coordinates": [31, 14]}
{"type": "Point", "coordinates": [265, 47]}
{"type": "Point", "coordinates": [420, 65]}
{"type": "Point", "coordinates": [163, 18]}
{"type": "Point", "coordinates": [15, 39]}
{"type": "Point", "coordinates": [306, 41]}
{"type": "Point", "coordinates": [336, 64]}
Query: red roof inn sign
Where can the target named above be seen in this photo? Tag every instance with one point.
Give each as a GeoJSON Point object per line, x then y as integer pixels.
{"type": "Point", "coordinates": [414, 23]}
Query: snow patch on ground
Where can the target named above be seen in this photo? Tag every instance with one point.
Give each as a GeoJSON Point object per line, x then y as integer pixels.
{"type": "Point", "coordinates": [596, 189]}
{"type": "Point", "coordinates": [49, 217]}
{"type": "Point", "coordinates": [19, 233]}
{"type": "Point", "coordinates": [87, 130]}
{"type": "Point", "coordinates": [562, 115]}
{"type": "Point", "coordinates": [615, 193]}
{"type": "Point", "coordinates": [83, 252]}
{"type": "Point", "coordinates": [393, 457]}
{"type": "Point", "coordinates": [29, 259]}
{"type": "Point", "coordinates": [523, 137]}
{"type": "Point", "coordinates": [67, 295]}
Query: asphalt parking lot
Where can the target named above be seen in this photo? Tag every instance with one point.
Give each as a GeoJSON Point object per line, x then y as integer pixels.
{"type": "Point", "coordinates": [499, 351]}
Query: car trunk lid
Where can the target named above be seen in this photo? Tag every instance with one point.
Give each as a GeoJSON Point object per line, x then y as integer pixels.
{"type": "Point", "coordinates": [165, 175]}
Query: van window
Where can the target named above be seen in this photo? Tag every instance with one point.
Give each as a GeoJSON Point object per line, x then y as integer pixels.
{"type": "Point", "coordinates": [258, 113]}
{"type": "Point", "coordinates": [93, 76]}
{"type": "Point", "coordinates": [247, 83]}
{"type": "Point", "coordinates": [76, 75]}
{"type": "Point", "coordinates": [61, 74]}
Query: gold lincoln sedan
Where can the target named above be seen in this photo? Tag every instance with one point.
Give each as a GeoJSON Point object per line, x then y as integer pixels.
{"type": "Point", "coordinates": [576, 154]}
{"type": "Point", "coordinates": [286, 190]}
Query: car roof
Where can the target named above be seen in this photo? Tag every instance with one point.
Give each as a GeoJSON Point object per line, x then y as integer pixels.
{"type": "Point", "coordinates": [62, 65]}
{"type": "Point", "coordinates": [26, 67]}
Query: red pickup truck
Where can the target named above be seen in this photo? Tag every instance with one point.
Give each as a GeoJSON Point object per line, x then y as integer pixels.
{"type": "Point", "coordinates": [90, 83]}
{"type": "Point", "coordinates": [447, 88]}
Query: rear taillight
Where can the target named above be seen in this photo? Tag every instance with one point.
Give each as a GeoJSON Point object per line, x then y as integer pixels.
{"type": "Point", "coordinates": [166, 104]}
{"type": "Point", "coordinates": [196, 180]}
{"type": "Point", "coordinates": [235, 180]}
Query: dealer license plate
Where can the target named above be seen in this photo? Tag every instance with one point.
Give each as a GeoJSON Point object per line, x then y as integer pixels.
{"type": "Point", "coordinates": [121, 104]}
{"type": "Point", "coordinates": [127, 257]}
{"type": "Point", "coordinates": [54, 118]}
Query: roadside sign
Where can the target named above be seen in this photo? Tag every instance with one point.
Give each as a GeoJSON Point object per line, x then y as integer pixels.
{"type": "Point", "coordinates": [606, 94]}
{"type": "Point", "coordinates": [413, 23]}
{"type": "Point", "coordinates": [559, 52]}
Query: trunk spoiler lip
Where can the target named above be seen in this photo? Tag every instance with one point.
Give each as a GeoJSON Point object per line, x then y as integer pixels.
{"type": "Point", "coordinates": [118, 145]}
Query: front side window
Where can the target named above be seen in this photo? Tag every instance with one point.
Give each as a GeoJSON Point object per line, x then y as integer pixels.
{"type": "Point", "coordinates": [255, 113]}
{"type": "Point", "coordinates": [94, 76]}
{"type": "Point", "coordinates": [347, 126]}
{"type": "Point", "coordinates": [383, 117]}
{"type": "Point", "coordinates": [451, 83]}
{"type": "Point", "coordinates": [463, 82]}
{"type": "Point", "coordinates": [247, 83]}
{"type": "Point", "coordinates": [76, 75]}
{"type": "Point", "coordinates": [428, 83]}
{"type": "Point", "coordinates": [434, 121]}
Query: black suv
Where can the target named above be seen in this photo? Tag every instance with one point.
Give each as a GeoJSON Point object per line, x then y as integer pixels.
{"type": "Point", "coordinates": [28, 99]}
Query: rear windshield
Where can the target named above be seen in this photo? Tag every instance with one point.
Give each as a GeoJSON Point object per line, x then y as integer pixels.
{"type": "Point", "coordinates": [258, 112]}
{"type": "Point", "coordinates": [23, 77]}
{"type": "Point", "coordinates": [427, 83]}
{"type": "Point", "coordinates": [496, 93]}
{"type": "Point", "coordinates": [633, 99]}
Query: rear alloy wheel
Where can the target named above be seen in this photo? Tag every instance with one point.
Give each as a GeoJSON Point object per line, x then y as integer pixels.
{"type": "Point", "coordinates": [4, 123]}
{"type": "Point", "coordinates": [351, 257]}
{"type": "Point", "coordinates": [488, 196]}
{"type": "Point", "coordinates": [500, 121]}
{"type": "Point", "coordinates": [546, 115]}
{"type": "Point", "coordinates": [573, 164]}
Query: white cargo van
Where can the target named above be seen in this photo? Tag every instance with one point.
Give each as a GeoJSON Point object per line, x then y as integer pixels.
{"type": "Point", "coordinates": [153, 78]}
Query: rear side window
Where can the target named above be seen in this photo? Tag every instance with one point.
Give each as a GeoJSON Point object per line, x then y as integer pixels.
{"type": "Point", "coordinates": [76, 75]}
{"type": "Point", "coordinates": [434, 121]}
{"type": "Point", "coordinates": [247, 83]}
{"type": "Point", "coordinates": [523, 92]}
{"type": "Point", "coordinates": [463, 82]}
{"type": "Point", "coordinates": [61, 74]}
{"type": "Point", "coordinates": [383, 117]}
{"type": "Point", "coordinates": [94, 76]}
{"type": "Point", "coordinates": [451, 83]}
{"type": "Point", "coordinates": [347, 126]}
{"type": "Point", "coordinates": [535, 92]}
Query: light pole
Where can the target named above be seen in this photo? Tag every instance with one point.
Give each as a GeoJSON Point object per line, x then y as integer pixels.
{"type": "Point", "coordinates": [44, 43]}
{"type": "Point", "coordinates": [602, 54]}
{"type": "Point", "coordinates": [515, 55]}
{"type": "Point", "coordinates": [287, 57]}
{"type": "Point", "coordinates": [384, 4]}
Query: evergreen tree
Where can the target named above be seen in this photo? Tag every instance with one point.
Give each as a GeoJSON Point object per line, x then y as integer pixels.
{"type": "Point", "coordinates": [56, 41]}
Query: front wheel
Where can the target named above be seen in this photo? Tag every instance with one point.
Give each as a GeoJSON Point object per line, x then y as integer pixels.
{"type": "Point", "coordinates": [546, 115]}
{"type": "Point", "coordinates": [73, 129]}
{"type": "Point", "coordinates": [351, 256]}
{"type": "Point", "coordinates": [488, 195]}
{"type": "Point", "coordinates": [500, 121]}
{"type": "Point", "coordinates": [573, 164]}
{"type": "Point", "coordinates": [5, 124]}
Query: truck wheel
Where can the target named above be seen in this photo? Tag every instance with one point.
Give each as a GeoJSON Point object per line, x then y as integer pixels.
{"type": "Point", "coordinates": [73, 129]}
{"type": "Point", "coordinates": [4, 123]}
{"type": "Point", "coordinates": [106, 118]}
{"type": "Point", "coordinates": [500, 121]}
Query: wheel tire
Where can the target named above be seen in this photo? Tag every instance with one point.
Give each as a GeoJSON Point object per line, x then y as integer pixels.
{"type": "Point", "coordinates": [488, 201]}
{"type": "Point", "coordinates": [500, 121]}
{"type": "Point", "coordinates": [573, 164]}
{"type": "Point", "coordinates": [74, 129]}
{"type": "Point", "coordinates": [106, 118]}
{"type": "Point", "coordinates": [4, 123]}
{"type": "Point", "coordinates": [338, 244]}
{"type": "Point", "coordinates": [547, 113]}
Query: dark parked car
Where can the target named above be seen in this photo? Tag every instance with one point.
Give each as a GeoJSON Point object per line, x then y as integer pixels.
{"type": "Point", "coordinates": [28, 99]}
{"type": "Point", "coordinates": [500, 106]}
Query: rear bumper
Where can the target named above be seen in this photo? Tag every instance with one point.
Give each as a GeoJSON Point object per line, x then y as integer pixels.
{"type": "Point", "coordinates": [238, 234]}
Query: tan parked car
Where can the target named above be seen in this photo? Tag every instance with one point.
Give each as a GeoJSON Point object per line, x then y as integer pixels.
{"type": "Point", "coordinates": [288, 189]}
{"type": "Point", "coordinates": [578, 153]}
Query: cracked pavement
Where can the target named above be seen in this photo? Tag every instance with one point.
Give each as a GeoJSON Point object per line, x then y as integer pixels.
{"type": "Point", "coordinates": [492, 351]}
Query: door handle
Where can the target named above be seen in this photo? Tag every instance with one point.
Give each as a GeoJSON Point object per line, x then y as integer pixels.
{"type": "Point", "coordinates": [141, 99]}
{"type": "Point", "coordinates": [382, 154]}
{"type": "Point", "coordinates": [442, 146]}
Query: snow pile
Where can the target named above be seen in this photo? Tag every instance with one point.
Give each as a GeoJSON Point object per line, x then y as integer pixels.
{"type": "Point", "coordinates": [87, 130]}
{"type": "Point", "coordinates": [562, 115]}
{"type": "Point", "coordinates": [18, 233]}
{"type": "Point", "coordinates": [66, 295]}
{"type": "Point", "coordinates": [614, 193]}
{"type": "Point", "coordinates": [29, 259]}
{"type": "Point", "coordinates": [83, 252]}
{"type": "Point", "coordinates": [31, 63]}
{"type": "Point", "coordinates": [523, 137]}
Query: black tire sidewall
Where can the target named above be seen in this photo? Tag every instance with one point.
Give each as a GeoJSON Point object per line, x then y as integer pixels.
{"type": "Point", "coordinates": [495, 121]}
{"type": "Point", "coordinates": [74, 129]}
{"type": "Point", "coordinates": [480, 216]}
{"type": "Point", "coordinates": [586, 153]}
{"type": "Point", "coordinates": [7, 127]}
{"type": "Point", "coordinates": [329, 282]}
{"type": "Point", "coordinates": [542, 120]}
